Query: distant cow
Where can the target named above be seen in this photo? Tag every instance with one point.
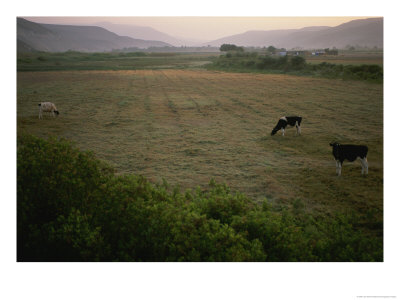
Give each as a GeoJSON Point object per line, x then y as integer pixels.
{"type": "Point", "coordinates": [350, 153]}
{"type": "Point", "coordinates": [47, 107]}
{"type": "Point", "coordinates": [285, 121]}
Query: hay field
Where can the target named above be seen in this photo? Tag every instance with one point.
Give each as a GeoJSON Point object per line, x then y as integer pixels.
{"type": "Point", "coordinates": [188, 126]}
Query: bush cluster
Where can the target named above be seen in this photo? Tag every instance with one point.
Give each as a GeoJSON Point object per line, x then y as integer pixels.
{"type": "Point", "coordinates": [72, 207]}
{"type": "Point", "coordinates": [246, 61]}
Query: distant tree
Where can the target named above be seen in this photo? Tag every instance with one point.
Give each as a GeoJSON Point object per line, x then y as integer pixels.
{"type": "Point", "coordinates": [271, 49]}
{"type": "Point", "coordinates": [351, 48]}
{"type": "Point", "coordinates": [328, 51]}
{"type": "Point", "coordinates": [230, 47]}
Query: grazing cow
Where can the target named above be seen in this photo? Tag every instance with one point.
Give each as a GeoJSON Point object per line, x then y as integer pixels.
{"type": "Point", "coordinates": [47, 107]}
{"type": "Point", "coordinates": [285, 121]}
{"type": "Point", "coordinates": [350, 153]}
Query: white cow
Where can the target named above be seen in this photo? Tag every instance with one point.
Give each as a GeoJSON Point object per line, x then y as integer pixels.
{"type": "Point", "coordinates": [47, 107]}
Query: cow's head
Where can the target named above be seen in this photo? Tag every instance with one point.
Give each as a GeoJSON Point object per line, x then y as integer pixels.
{"type": "Point", "coordinates": [334, 144]}
{"type": "Point", "coordinates": [335, 149]}
{"type": "Point", "coordinates": [274, 131]}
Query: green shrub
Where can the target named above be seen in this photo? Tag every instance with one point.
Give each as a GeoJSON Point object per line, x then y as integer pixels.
{"type": "Point", "coordinates": [297, 62]}
{"type": "Point", "coordinates": [53, 179]}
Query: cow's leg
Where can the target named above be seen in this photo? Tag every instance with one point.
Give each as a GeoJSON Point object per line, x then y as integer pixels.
{"type": "Point", "coordinates": [283, 131]}
{"type": "Point", "coordinates": [339, 172]}
{"type": "Point", "coordinates": [364, 165]}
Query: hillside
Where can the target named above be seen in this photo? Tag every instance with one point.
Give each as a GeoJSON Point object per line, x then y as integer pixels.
{"type": "Point", "coordinates": [364, 33]}
{"type": "Point", "coordinates": [60, 38]}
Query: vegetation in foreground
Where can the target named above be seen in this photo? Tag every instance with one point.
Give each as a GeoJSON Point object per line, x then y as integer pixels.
{"type": "Point", "coordinates": [72, 207]}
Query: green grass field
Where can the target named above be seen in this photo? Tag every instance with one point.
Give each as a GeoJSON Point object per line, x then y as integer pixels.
{"type": "Point", "coordinates": [188, 126]}
{"type": "Point", "coordinates": [71, 60]}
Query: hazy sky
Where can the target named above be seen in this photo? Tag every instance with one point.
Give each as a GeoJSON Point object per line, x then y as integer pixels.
{"type": "Point", "coordinates": [204, 28]}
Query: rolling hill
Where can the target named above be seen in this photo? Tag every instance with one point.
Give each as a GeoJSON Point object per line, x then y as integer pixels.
{"type": "Point", "coordinates": [59, 38]}
{"type": "Point", "coordinates": [147, 33]}
{"type": "Point", "coordinates": [364, 33]}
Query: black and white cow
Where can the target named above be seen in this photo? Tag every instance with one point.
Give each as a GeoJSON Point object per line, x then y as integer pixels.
{"type": "Point", "coordinates": [285, 121]}
{"type": "Point", "coordinates": [350, 153]}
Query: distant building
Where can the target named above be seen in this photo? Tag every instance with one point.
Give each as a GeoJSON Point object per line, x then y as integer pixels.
{"type": "Point", "coordinates": [326, 51]}
{"type": "Point", "coordinates": [318, 52]}
{"type": "Point", "coordinates": [297, 52]}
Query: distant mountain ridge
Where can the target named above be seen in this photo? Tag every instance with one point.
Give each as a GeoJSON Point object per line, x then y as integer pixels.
{"type": "Point", "coordinates": [364, 32]}
{"type": "Point", "coordinates": [60, 38]}
{"type": "Point", "coordinates": [146, 33]}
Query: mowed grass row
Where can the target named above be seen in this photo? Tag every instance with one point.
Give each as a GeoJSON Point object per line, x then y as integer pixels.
{"type": "Point", "coordinates": [188, 126]}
